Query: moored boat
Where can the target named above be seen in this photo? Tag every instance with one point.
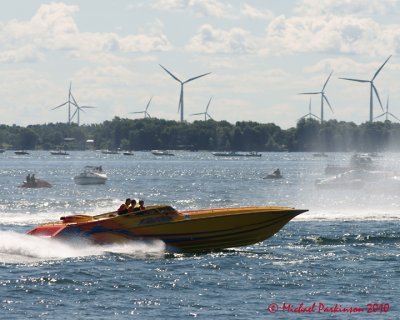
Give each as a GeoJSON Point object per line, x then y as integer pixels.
{"type": "Point", "coordinates": [186, 231]}
{"type": "Point", "coordinates": [91, 175]}
{"type": "Point", "coordinates": [21, 152]}
{"type": "Point", "coordinates": [236, 154]}
{"type": "Point", "coordinates": [109, 152]}
{"type": "Point", "coordinates": [162, 153]}
{"type": "Point", "coordinates": [59, 153]}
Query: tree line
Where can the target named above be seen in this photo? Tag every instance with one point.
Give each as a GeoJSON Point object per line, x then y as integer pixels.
{"type": "Point", "coordinates": [147, 134]}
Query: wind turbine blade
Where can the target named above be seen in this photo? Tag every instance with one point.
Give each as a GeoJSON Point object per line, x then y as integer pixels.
{"type": "Point", "coordinates": [146, 113]}
{"type": "Point", "coordinates": [196, 114]}
{"type": "Point", "coordinates": [312, 114]}
{"type": "Point", "coordinates": [380, 115]}
{"type": "Point", "coordinates": [87, 107]}
{"type": "Point", "coordinates": [137, 112]}
{"type": "Point", "coordinates": [208, 104]}
{"type": "Point", "coordinates": [170, 74]}
{"type": "Point", "coordinates": [357, 80]}
{"type": "Point", "coordinates": [326, 99]}
{"type": "Point", "coordinates": [148, 103]}
{"type": "Point", "coordinates": [376, 73]}
{"type": "Point", "coordinates": [310, 93]}
{"type": "Point", "coordinates": [377, 95]}
{"type": "Point", "coordinates": [76, 110]}
{"type": "Point", "coordinates": [393, 116]}
{"type": "Point", "coordinates": [194, 78]}
{"type": "Point", "coordinates": [74, 101]}
{"type": "Point", "coordinates": [60, 105]}
{"type": "Point", "coordinates": [326, 82]}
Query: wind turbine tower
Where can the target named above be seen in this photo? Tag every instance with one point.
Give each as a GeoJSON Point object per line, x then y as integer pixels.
{"type": "Point", "coordinates": [323, 97]}
{"type": "Point", "coordinates": [146, 114]}
{"type": "Point", "coordinates": [372, 90]}
{"type": "Point", "coordinates": [69, 102]}
{"type": "Point", "coordinates": [181, 104]}
{"type": "Point", "coordinates": [206, 114]}
{"type": "Point", "coordinates": [387, 113]}
{"type": "Point", "coordinates": [78, 109]}
{"type": "Point", "coordinates": [310, 114]}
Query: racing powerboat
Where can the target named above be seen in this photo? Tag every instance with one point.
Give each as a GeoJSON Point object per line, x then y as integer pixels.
{"type": "Point", "coordinates": [91, 175]}
{"type": "Point", "coordinates": [186, 231]}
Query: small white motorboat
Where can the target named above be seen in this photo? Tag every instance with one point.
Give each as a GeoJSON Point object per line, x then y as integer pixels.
{"type": "Point", "coordinates": [162, 153]}
{"type": "Point", "coordinates": [91, 175]}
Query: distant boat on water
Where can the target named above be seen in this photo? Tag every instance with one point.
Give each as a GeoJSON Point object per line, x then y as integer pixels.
{"type": "Point", "coordinates": [109, 152]}
{"type": "Point", "coordinates": [2, 150]}
{"type": "Point", "coordinates": [236, 154]}
{"type": "Point", "coordinates": [91, 175]}
{"type": "Point", "coordinates": [128, 153]}
{"type": "Point", "coordinates": [59, 153]}
{"type": "Point", "coordinates": [21, 152]}
{"type": "Point", "coordinates": [320, 155]}
{"type": "Point", "coordinates": [162, 153]}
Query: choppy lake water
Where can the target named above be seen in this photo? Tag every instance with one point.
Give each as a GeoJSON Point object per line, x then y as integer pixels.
{"type": "Point", "coordinates": [342, 254]}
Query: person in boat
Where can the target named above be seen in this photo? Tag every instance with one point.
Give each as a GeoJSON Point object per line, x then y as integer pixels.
{"type": "Point", "coordinates": [277, 173]}
{"type": "Point", "coordinates": [141, 205]}
{"type": "Point", "coordinates": [33, 180]}
{"type": "Point", "coordinates": [124, 207]}
{"type": "Point", "coordinates": [28, 178]}
{"type": "Point", "coordinates": [133, 207]}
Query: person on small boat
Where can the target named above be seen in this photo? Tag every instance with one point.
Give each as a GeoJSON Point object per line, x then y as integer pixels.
{"type": "Point", "coordinates": [32, 180]}
{"type": "Point", "coordinates": [124, 207]}
{"type": "Point", "coordinates": [141, 205]}
{"type": "Point", "coordinates": [277, 173]}
{"type": "Point", "coordinates": [133, 207]}
{"type": "Point", "coordinates": [28, 178]}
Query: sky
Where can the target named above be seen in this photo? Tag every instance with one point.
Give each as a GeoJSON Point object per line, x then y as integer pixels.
{"type": "Point", "coordinates": [260, 55]}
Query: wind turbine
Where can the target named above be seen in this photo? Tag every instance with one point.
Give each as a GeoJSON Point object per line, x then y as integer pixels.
{"type": "Point", "coordinates": [387, 113]}
{"type": "Point", "coordinates": [323, 97]}
{"type": "Point", "coordinates": [180, 108]}
{"type": "Point", "coordinates": [206, 114]}
{"type": "Point", "coordinates": [372, 90]}
{"type": "Point", "coordinates": [310, 114]}
{"type": "Point", "coordinates": [146, 114]}
{"type": "Point", "coordinates": [78, 109]}
{"type": "Point", "coordinates": [69, 102]}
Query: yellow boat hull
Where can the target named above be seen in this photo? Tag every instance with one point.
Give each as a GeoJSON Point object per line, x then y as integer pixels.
{"type": "Point", "coordinates": [186, 231]}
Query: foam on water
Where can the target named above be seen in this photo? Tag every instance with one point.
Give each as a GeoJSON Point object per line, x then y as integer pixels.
{"type": "Point", "coordinates": [21, 248]}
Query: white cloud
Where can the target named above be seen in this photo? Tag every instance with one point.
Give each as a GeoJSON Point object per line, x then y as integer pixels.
{"type": "Point", "coordinates": [330, 34]}
{"type": "Point", "coordinates": [54, 28]}
{"type": "Point", "coordinates": [207, 8]}
{"type": "Point", "coordinates": [254, 13]}
{"type": "Point", "coordinates": [22, 54]}
{"type": "Point", "coordinates": [346, 7]}
{"type": "Point", "coordinates": [213, 40]}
